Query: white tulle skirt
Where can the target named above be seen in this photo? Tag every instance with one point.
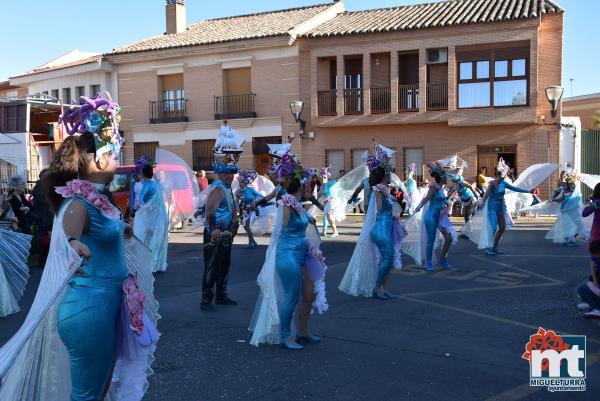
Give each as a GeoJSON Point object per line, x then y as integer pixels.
{"type": "Point", "coordinates": [14, 271]}
{"type": "Point", "coordinates": [569, 224]}
{"type": "Point", "coordinates": [151, 226]}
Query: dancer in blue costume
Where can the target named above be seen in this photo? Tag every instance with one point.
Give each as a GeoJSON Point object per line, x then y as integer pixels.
{"type": "Point", "coordinates": [496, 207]}
{"type": "Point", "coordinates": [248, 198]}
{"type": "Point", "coordinates": [291, 254]}
{"type": "Point", "coordinates": [465, 192]}
{"type": "Point", "coordinates": [222, 221]}
{"type": "Point", "coordinates": [366, 189]}
{"type": "Point", "coordinates": [151, 224]}
{"type": "Point", "coordinates": [413, 195]}
{"type": "Point", "coordinates": [569, 223]}
{"type": "Point", "coordinates": [332, 212]}
{"type": "Point", "coordinates": [81, 296]}
{"type": "Point", "coordinates": [434, 216]}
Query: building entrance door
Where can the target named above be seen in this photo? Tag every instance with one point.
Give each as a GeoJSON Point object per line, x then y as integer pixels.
{"type": "Point", "coordinates": [488, 156]}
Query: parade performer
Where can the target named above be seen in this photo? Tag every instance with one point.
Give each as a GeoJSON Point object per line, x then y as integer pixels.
{"type": "Point", "coordinates": [569, 223]}
{"type": "Point", "coordinates": [374, 255]}
{"type": "Point", "coordinates": [593, 209]}
{"type": "Point", "coordinates": [466, 194]}
{"type": "Point", "coordinates": [293, 273]}
{"type": "Point", "coordinates": [413, 195]}
{"type": "Point", "coordinates": [14, 271]}
{"type": "Point", "coordinates": [435, 217]}
{"type": "Point", "coordinates": [494, 208]}
{"type": "Point", "coordinates": [151, 223]}
{"type": "Point", "coordinates": [135, 191]}
{"type": "Point", "coordinates": [332, 212]}
{"type": "Point", "coordinates": [248, 197]}
{"type": "Point", "coordinates": [86, 298]}
{"type": "Point", "coordinates": [222, 221]}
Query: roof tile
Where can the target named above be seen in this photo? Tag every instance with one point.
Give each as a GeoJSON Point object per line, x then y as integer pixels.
{"type": "Point", "coordinates": [433, 15]}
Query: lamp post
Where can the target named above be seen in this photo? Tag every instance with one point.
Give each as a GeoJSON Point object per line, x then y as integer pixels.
{"type": "Point", "coordinates": [296, 108]}
{"type": "Point", "coordinates": [554, 95]}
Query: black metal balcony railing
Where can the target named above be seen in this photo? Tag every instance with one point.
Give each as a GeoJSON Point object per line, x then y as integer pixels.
{"type": "Point", "coordinates": [408, 97]}
{"type": "Point", "coordinates": [235, 106]}
{"type": "Point", "coordinates": [437, 96]}
{"type": "Point", "coordinates": [327, 102]}
{"type": "Point", "coordinates": [353, 101]}
{"type": "Point", "coordinates": [381, 100]}
{"type": "Point", "coordinates": [167, 111]}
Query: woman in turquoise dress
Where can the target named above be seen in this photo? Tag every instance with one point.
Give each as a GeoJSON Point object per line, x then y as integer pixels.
{"type": "Point", "coordinates": [436, 217]}
{"type": "Point", "coordinates": [332, 212]}
{"type": "Point", "coordinates": [381, 232]}
{"type": "Point", "coordinates": [496, 206]}
{"type": "Point", "coordinates": [248, 198]}
{"type": "Point", "coordinates": [88, 314]}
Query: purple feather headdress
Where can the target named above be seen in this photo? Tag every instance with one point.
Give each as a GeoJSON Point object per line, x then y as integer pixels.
{"type": "Point", "coordinates": [502, 167]}
{"type": "Point", "coordinates": [247, 176]}
{"type": "Point", "coordinates": [439, 169]}
{"type": "Point", "coordinates": [325, 173]}
{"type": "Point", "coordinates": [288, 166]}
{"type": "Point", "coordinates": [379, 159]}
{"type": "Point", "coordinates": [143, 162]}
{"type": "Point", "coordinates": [412, 168]}
{"type": "Point", "coordinates": [98, 116]}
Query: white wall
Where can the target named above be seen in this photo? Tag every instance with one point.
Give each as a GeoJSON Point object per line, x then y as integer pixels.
{"type": "Point", "coordinates": [86, 79]}
{"type": "Point", "coordinates": [13, 149]}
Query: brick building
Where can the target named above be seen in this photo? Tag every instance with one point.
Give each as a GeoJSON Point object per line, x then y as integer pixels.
{"type": "Point", "coordinates": [177, 88]}
{"type": "Point", "coordinates": [431, 80]}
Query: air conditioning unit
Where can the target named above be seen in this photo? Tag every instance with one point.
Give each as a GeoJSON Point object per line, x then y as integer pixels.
{"type": "Point", "coordinates": [437, 56]}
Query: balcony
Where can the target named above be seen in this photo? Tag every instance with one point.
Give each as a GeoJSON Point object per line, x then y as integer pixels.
{"type": "Point", "coordinates": [168, 111]}
{"type": "Point", "coordinates": [327, 102]}
{"type": "Point", "coordinates": [408, 97]}
{"type": "Point", "coordinates": [235, 106]}
{"type": "Point", "coordinates": [353, 101]}
{"type": "Point", "coordinates": [437, 96]}
{"type": "Point", "coordinates": [381, 100]}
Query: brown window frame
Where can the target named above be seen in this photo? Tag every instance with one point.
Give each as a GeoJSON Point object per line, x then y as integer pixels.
{"type": "Point", "coordinates": [491, 58]}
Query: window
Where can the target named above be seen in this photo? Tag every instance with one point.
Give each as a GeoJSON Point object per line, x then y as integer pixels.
{"type": "Point", "coordinates": [493, 78]}
{"type": "Point", "coordinates": [44, 92]}
{"type": "Point", "coordinates": [13, 118]}
{"type": "Point", "coordinates": [414, 155]}
{"type": "Point", "coordinates": [334, 159]}
{"type": "Point", "coordinates": [94, 91]}
{"type": "Point", "coordinates": [66, 95]}
{"type": "Point", "coordinates": [359, 156]}
{"type": "Point", "coordinates": [174, 100]}
{"type": "Point", "coordinates": [145, 148]}
{"type": "Point", "coordinates": [202, 151]}
{"type": "Point", "coordinates": [55, 93]}
{"type": "Point", "coordinates": [79, 92]}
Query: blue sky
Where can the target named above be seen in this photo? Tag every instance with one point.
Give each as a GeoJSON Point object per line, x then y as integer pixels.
{"type": "Point", "coordinates": [41, 30]}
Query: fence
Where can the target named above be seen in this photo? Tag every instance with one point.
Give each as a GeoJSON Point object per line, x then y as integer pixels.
{"type": "Point", "coordinates": [590, 156]}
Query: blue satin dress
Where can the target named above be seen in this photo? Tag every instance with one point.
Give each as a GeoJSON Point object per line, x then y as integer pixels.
{"type": "Point", "coordinates": [367, 192]}
{"type": "Point", "coordinates": [249, 196]}
{"type": "Point", "coordinates": [289, 261]}
{"type": "Point", "coordinates": [148, 191]}
{"type": "Point", "coordinates": [432, 220]}
{"type": "Point", "coordinates": [411, 185]}
{"type": "Point", "coordinates": [381, 235]}
{"type": "Point", "coordinates": [496, 205]}
{"type": "Point", "coordinates": [88, 313]}
{"type": "Point", "coordinates": [280, 192]}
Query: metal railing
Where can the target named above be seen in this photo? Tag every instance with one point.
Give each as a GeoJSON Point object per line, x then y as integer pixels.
{"type": "Point", "coordinates": [437, 96]}
{"type": "Point", "coordinates": [327, 102]}
{"type": "Point", "coordinates": [167, 111]}
{"type": "Point", "coordinates": [381, 100]}
{"type": "Point", "coordinates": [353, 101]}
{"type": "Point", "coordinates": [408, 97]}
{"type": "Point", "coordinates": [235, 106]}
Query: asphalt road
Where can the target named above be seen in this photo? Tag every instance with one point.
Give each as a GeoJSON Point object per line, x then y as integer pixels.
{"type": "Point", "coordinates": [451, 335]}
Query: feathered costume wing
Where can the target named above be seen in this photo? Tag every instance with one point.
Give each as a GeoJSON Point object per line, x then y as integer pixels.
{"type": "Point", "coordinates": [151, 226]}
{"type": "Point", "coordinates": [361, 272]}
{"type": "Point", "coordinates": [35, 364]}
{"type": "Point", "coordinates": [14, 271]}
{"type": "Point", "coordinates": [179, 186]}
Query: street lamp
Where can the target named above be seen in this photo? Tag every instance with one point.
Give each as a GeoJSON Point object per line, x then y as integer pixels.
{"type": "Point", "coordinates": [296, 108]}
{"type": "Point", "coordinates": [554, 94]}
